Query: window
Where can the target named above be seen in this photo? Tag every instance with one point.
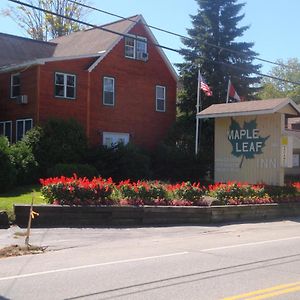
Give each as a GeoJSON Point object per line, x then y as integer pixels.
{"type": "Point", "coordinates": [15, 85]}
{"type": "Point", "coordinates": [160, 98]}
{"type": "Point", "coordinates": [22, 127]}
{"type": "Point", "coordinates": [111, 139]}
{"type": "Point", "coordinates": [136, 49]}
{"type": "Point", "coordinates": [109, 91]}
{"type": "Point", "coordinates": [65, 85]}
{"type": "Point", "coordinates": [6, 129]}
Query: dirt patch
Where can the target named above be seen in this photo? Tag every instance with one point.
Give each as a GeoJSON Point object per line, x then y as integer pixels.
{"type": "Point", "coordinates": [17, 250]}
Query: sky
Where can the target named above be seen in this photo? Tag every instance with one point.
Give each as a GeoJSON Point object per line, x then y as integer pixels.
{"type": "Point", "coordinates": [274, 24]}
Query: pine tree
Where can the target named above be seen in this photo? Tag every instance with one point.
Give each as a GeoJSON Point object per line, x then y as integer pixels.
{"type": "Point", "coordinates": [216, 24]}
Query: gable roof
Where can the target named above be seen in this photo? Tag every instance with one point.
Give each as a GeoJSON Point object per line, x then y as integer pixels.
{"type": "Point", "coordinates": [18, 51]}
{"type": "Point", "coordinates": [92, 41]}
{"type": "Point", "coordinates": [15, 49]}
{"type": "Point", "coordinates": [248, 108]}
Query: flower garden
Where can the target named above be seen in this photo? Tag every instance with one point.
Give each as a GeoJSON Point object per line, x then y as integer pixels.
{"type": "Point", "coordinates": [99, 191]}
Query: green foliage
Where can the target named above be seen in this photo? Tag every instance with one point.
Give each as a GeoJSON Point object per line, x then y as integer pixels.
{"type": "Point", "coordinates": [24, 162]}
{"type": "Point", "coordinates": [7, 169]}
{"type": "Point", "coordinates": [43, 26]}
{"type": "Point", "coordinates": [174, 163]}
{"type": "Point", "coordinates": [82, 170]}
{"type": "Point", "coordinates": [217, 23]}
{"type": "Point", "coordinates": [62, 141]}
{"type": "Point", "coordinates": [235, 190]}
{"type": "Point", "coordinates": [19, 195]}
{"type": "Point", "coordinates": [120, 162]}
{"type": "Point", "coordinates": [281, 191]}
{"type": "Point", "coordinates": [187, 191]}
{"type": "Point", "coordinates": [272, 88]}
{"type": "Point", "coordinates": [77, 191]}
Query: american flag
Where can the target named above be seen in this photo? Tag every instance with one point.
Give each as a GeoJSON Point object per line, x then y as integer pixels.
{"type": "Point", "coordinates": [204, 86]}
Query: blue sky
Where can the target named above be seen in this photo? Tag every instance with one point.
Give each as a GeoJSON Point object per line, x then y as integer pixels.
{"type": "Point", "coordinates": [274, 24]}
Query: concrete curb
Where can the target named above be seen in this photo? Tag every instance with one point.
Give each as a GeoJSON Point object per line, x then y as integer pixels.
{"type": "Point", "coordinates": [92, 216]}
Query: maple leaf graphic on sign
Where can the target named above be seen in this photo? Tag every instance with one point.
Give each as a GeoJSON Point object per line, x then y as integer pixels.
{"type": "Point", "coordinates": [246, 141]}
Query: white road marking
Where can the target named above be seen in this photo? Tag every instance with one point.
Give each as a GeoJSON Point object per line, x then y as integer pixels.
{"type": "Point", "coordinates": [250, 244]}
{"type": "Point", "coordinates": [91, 266]}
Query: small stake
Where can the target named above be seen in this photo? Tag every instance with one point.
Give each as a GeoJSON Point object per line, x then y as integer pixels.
{"type": "Point", "coordinates": [31, 216]}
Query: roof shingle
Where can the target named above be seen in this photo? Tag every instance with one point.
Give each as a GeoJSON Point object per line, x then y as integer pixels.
{"type": "Point", "coordinates": [246, 108]}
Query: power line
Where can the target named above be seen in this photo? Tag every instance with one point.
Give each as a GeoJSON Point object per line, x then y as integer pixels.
{"type": "Point", "coordinates": [136, 38]}
{"type": "Point", "coordinates": [180, 35]}
{"type": "Point", "coordinates": [91, 25]}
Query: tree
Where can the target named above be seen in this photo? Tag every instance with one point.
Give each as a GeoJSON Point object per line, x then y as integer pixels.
{"type": "Point", "coordinates": [215, 31]}
{"type": "Point", "coordinates": [44, 26]}
{"type": "Point", "coordinates": [289, 70]}
{"type": "Point", "coordinates": [216, 23]}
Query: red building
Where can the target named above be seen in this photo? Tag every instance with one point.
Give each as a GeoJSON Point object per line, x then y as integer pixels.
{"type": "Point", "coordinates": [119, 87]}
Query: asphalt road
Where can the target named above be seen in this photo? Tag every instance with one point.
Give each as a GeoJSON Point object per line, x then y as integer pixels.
{"type": "Point", "coordinates": [241, 261]}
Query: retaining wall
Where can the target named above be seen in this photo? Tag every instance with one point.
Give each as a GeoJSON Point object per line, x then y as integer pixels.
{"type": "Point", "coordinates": [89, 216]}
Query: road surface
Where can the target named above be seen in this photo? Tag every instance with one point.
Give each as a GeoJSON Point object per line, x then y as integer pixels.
{"type": "Point", "coordinates": [239, 261]}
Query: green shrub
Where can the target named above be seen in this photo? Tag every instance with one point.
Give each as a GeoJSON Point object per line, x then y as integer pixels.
{"type": "Point", "coordinates": [82, 170]}
{"type": "Point", "coordinates": [24, 162]}
{"type": "Point", "coordinates": [77, 191]}
{"type": "Point", "coordinates": [121, 162]}
{"type": "Point", "coordinates": [7, 169]}
{"type": "Point", "coordinates": [61, 141]}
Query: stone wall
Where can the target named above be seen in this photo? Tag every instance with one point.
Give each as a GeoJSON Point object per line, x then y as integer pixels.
{"type": "Point", "coordinates": [77, 216]}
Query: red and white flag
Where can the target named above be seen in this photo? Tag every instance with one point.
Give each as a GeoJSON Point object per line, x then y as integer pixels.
{"type": "Point", "coordinates": [204, 86]}
{"type": "Point", "coordinates": [232, 95]}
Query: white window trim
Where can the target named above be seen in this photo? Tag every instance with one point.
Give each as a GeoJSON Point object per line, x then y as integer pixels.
{"type": "Point", "coordinates": [115, 135]}
{"type": "Point", "coordinates": [164, 99]}
{"type": "Point", "coordinates": [134, 46]}
{"type": "Point", "coordinates": [135, 41]}
{"type": "Point", "coordinates": [23, 133]}
{"type": "Point", "coordinates": [65, 85]}
{"type": "Point", "coordinates": [5, 123]}
{"type": "Point", "coordinates": [114, 91]}
{"type": "Point", "coordinates": [11, 85]}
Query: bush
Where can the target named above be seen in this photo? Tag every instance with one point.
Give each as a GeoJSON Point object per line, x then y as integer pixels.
{"type": "Point", "coordinates": [143, 192]}
{"type": "Point", "coordinates": [24, 163]}
{"type": "Point", "coordinates": [121, 162]}
{"type": "Point", "coordinates": [77, 191]}
{"type": "Point", "coordinates": [235, 190]}
{"type": "Point", "coordinates": [60, 141]}
{"type": "Point", "coordinates": [187, 191]}
{"type": "Point", "coordinates": [7, 169]}
{"type": "Point", "coordinates": [67, 170]}
{"type": "Point", "coordinates": [176, 164]}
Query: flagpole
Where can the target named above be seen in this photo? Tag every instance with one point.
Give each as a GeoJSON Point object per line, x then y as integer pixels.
{"type": "Point", "coordinates": [198, 109]}
{"type": "Point", "coordinates": [227, 98]}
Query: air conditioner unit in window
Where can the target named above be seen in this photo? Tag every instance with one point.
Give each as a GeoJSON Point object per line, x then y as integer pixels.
{"type": "Point", "coordinates": [142, 56]}
{"type": "Point", "coordinates": [22, 99]}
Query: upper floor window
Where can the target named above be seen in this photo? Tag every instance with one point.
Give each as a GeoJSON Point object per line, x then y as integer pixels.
{"type": "Point", "coordinates": [65, 85]}
{"type": "Point", "coordinates": [6, 129]}
{"type": "Point", "coordinates": [136, 47]}
{"type": "Point", "coordinates": [22, 127]}
{"type": "Point", "coordinates": [160, 98]}
{"type": "Point", "coordinates": [109, 91]}
{"type": "Point", "coordinates": [15, 85]}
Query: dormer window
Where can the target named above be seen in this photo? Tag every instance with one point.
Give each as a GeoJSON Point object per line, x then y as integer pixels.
{"type": "Point", "coordinates": [136, 48]}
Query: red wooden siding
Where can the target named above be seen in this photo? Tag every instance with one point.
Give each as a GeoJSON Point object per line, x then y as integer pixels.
{"type": "Point", "coordinates": [134, 111]}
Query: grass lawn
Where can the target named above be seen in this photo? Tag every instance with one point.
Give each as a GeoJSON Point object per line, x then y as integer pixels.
{"type": "Point", "coordinates": [20, 195]}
